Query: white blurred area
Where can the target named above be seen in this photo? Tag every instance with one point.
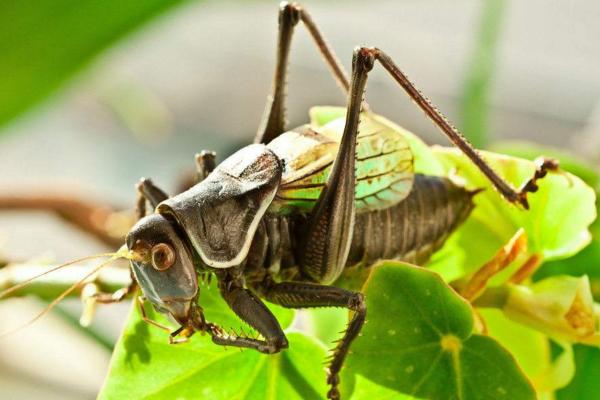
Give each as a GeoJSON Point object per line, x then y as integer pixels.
{"type": "Point", "coordinates": [198, 78]}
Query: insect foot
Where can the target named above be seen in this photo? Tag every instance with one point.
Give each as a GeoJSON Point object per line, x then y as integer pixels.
{"type": "Point", "coordinates": [334, 381]}
{"type": "Point", "coordinates": [289, 13]}
{"type": "Point", "coordinates": [367, 56]}
{"type": "Point", "coordinates": [544, 165]}
{"type": "Point", "coordinates": [274, 346]}
{"type": "Point", "coordinates": [356, 303]}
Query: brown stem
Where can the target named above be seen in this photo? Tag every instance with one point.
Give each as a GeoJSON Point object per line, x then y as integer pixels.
{"type": "Point", "coordinates": [101, 221]}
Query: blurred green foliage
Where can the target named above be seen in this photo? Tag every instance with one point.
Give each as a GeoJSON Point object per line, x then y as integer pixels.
{"type": "Point", "coordinates": [45, 42]}
{"type": "Point", "coordinates": [480, 74]}
{"type": "Point", "coordinates": [586, 382]}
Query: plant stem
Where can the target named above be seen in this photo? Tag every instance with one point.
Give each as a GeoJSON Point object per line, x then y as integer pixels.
{"type": "Point", "coordinates": [99, 220]}
{"type": "Point", "coordinates": [493, 297]}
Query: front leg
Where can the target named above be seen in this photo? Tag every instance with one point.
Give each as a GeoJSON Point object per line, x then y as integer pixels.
{"type": "Point", "coordinates": [147, 192]}
{"type": "Point", "coordinates": [306, 295]}
{"type": "Point", "coordinates": [116, 296]}
{"type": "Point", "coordinates": [253, 311]}
{"type": "Point", "coordinates": [205, 164]}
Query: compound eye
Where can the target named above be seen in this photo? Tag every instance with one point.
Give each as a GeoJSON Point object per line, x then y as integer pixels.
{"type": "Point", "coordinates": [163, 256]}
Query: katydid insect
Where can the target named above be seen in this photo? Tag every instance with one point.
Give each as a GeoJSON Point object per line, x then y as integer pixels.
{"type": "Point", "coordinates": [281, 219]}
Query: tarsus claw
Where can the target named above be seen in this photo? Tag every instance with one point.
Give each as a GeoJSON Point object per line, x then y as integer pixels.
{"type": "Point", "coordinates": [544, 165]}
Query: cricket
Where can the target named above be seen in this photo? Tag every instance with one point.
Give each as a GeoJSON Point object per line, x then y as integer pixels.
{"type": "Point", "coordinates": [281, 219]}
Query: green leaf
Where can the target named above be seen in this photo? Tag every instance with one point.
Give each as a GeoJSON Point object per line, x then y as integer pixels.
{"type": "Point", "coordinates": [365, 389]}
{"type": "Point", "coordinates": [531, 349]}
{"type": "Point", "coordinates": [586, 383]}
{"type": "Point", "coordinates": [46, 42]}
{"type": "Point", "coordinates": [569, 162]}
{"type": "Point", "coordinates": [327, 323]}
{"type": "Point", "coordinates": [419, 340]}
{"type": "Point", "coordinates": [322, 115]}
{"type": "Point", "coordinates": [556, 224]}
{"type": "Point", "coordinates": [586, 262]}
{"type": "Point", "coordinates": [145, 366]}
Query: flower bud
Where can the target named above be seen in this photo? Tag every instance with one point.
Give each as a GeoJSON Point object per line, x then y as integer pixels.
{"type": "Point", "coordinates": [560, 306]}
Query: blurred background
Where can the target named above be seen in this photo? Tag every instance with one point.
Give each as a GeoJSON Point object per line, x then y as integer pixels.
{"type": "Point", "coordinates": [93, 97]}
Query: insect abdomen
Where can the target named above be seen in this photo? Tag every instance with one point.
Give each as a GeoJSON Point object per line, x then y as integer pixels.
{"type": "Point", "coordinates": [411, 230]}
{"type": "Point", "coordinates": [416, 227]}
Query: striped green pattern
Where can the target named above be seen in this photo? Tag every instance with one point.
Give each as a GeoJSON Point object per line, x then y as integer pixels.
{"type": "Point", "coordinates": [384, 167]}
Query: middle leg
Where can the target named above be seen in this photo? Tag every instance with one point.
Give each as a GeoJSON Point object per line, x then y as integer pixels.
{"type": "Point", "coordinates": [307, 295]}
{"type": "Point", "coordinates": [147, 192]}
{"type": "Point", "coordinates": [253, 311]}
{"type": "Point", "coordinates": [273, 122]}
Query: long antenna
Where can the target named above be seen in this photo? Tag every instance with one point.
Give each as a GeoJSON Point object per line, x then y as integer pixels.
{"type": "Point", "coordinates": [14, 288]}
{"type": "Point", "coordinates": [62, 295]}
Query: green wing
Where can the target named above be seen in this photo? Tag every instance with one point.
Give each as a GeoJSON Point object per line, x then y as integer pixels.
{"type": "Point", "coordinates": [384, 167]}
